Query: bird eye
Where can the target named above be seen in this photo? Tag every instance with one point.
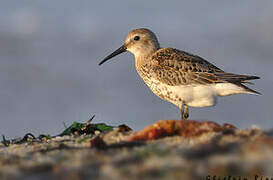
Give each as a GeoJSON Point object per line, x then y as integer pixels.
{"type": "Point", "coordinates": [136, 38]}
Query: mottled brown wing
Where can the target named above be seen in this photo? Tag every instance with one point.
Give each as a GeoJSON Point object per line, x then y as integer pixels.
{"type": "Point", "coordinates": [175, 67]}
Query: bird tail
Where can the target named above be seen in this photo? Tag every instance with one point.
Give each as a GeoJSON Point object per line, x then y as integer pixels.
{"type": "Point", "coordinates": [247, 89]}
{"type": "Point", "coordinates": [238, 79]}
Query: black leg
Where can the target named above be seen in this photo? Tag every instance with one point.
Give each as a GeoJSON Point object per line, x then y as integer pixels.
{"type": "Point", "coordinates": [182, 110]}
{"type": "Point", "coordinates": [186, 114]}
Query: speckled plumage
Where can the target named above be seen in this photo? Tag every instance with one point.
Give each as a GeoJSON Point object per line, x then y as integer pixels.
{"type": "Point", "coordinates": [174, 67]}
{"type": "Point", "coordinates": [179, 77]}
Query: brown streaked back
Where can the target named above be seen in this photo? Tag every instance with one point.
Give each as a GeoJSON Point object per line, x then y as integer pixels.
{"type": "Point", "coordinates": [175, 67]}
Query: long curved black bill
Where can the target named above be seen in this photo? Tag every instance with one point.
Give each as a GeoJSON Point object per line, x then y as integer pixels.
{"type": "Point", "coordinates": [116, 52]}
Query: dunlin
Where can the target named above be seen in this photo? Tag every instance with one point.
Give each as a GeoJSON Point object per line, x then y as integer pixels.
{"type": "Point", "coordinates": [177, 76]}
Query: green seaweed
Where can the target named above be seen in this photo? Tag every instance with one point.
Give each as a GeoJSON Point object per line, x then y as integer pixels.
{"type": "Point", "coordinates": [82, 128]}
{"type": "Point", "coordinates": [44, 136]}
{"type": "Point", "coordinates": [103, 127]}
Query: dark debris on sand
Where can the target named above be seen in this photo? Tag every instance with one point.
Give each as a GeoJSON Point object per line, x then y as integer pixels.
{"type": "Point", "coordinates": [168, 149]}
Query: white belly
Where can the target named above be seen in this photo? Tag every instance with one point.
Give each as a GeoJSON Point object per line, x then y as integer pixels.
{"type": "Point", "coordinates": [193, 95]}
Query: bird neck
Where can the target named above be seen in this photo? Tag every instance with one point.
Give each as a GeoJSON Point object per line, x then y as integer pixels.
{"type": "Point", "coordinates": [144, 57]}
{"type": "Point", "coordinates": [139, 61]}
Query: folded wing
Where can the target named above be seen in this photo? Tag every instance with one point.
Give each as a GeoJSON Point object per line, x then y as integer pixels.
{"type": "Point", "coordinates": [175, 67]}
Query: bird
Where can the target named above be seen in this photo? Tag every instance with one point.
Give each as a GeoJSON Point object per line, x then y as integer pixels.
{"type": "Point", "coordinates": [181, 78]}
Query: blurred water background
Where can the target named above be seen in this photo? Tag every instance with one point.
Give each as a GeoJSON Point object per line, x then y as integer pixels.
{"type": "Point", "coordinates": [49, 54]}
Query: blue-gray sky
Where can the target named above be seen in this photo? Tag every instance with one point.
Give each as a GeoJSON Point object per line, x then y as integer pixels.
{"type": "Point", "coordinates": [49, 51]}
